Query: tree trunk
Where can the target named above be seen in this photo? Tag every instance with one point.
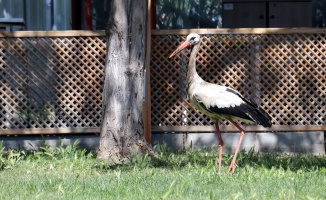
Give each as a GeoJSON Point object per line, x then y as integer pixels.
{"type": "Point", "coordinates": [122, 132]}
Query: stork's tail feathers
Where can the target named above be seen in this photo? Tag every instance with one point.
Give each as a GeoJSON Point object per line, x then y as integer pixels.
{"type": "Point", "coordinates": [260, 117]}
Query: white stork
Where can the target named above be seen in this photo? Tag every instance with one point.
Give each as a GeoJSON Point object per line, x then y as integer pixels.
{"type": "Point", "coordinates": [219, 102]}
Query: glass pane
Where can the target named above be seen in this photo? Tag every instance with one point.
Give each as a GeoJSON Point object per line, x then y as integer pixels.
{"type": "Point", "coordinates": [177, 14]}
{"type": "Point", "coordinates": [319, 13]}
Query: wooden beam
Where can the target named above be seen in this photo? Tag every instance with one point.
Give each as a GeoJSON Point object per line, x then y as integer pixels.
{"type": "Point", "coordinates": [45, 131]}
{"type": "Point", "coordinates": [147, 110]}
{"type": "Point", "coordinates": [172, 129]}
{"type": "Point", "coordinates": [72, 33]}
{"type": "Point", "coordinates": [240, 31]}
{"type": "Point", "coordinates": [275, 128]}
{"type": "Point", "coordinates": [52, 33]}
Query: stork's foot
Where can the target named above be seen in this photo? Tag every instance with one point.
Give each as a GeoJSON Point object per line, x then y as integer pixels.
{"type": "Point", "coordinates": [232, 167]}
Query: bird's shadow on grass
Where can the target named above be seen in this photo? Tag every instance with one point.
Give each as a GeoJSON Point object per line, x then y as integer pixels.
{"type": "Point", "coordinates": [276, 160]}
{"type": "Point", "coordinates": [178, 160]}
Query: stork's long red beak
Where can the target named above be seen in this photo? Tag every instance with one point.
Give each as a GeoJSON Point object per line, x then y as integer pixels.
{"type": "Point", "coordinates": [182, 46]}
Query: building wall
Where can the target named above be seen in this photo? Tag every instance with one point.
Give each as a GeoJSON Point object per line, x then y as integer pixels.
{"type": "Point", "coordinates": [291, 142]}
{"type": "Point", "coordinates": [38, 14]}
{"type": "Point", "coordinates": [11, 9]}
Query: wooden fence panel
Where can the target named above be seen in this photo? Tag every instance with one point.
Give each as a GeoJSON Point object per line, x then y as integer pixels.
{"type": "Point", "coordinates": [282, 72]}
{"type": "Point", "coordinates": [51, 82]}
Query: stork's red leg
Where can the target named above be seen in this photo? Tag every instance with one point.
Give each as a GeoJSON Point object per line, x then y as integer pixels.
{"type": "Point", "coordinates": [233, 165]}
{"type": "Point", "coordinates": [220, 147]}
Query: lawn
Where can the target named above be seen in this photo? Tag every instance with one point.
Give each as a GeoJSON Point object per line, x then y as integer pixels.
{"type": "Point", "coordinates": [73, 173]}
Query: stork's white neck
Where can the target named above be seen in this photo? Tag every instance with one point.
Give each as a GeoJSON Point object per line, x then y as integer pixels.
{"type": "Point", "coordinates": [192, 75]}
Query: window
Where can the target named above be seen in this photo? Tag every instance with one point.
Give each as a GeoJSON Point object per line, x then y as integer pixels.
{"type": "Point", "coordinates": [185, 14]}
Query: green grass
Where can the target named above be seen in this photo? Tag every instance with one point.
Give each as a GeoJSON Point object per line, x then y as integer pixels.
{"type": "Point", "coordinates": [73, 173]}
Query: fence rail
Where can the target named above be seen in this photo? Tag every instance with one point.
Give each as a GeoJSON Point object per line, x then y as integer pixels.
{"type": "Point", "coordinates": [51, 82]}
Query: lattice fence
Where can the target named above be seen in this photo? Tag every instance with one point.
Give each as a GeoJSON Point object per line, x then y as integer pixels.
{"type": "Point", "coordinates": [55, 81]}
{"type": "Point", "coordinates": [51, 82]}
{"type": "Point", "coordinates": [284, 73]}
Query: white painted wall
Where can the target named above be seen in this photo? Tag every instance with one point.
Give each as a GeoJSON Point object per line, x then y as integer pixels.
{"type": "Point", "coordinates": [288, 142]}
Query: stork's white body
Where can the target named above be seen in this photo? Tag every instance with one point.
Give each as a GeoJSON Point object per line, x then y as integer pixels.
{"type": "Point", "coordinates": [203, 96]}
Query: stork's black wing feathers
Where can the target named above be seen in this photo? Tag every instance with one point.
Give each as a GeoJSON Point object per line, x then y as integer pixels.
{"type": "Point", "coordinates": [252, 111]}
{"type": "Point", "coordinates": [246, 110]}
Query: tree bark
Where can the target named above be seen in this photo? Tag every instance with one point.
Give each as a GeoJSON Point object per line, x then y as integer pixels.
{"type": "Point", "coordinates": [122, 131]}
